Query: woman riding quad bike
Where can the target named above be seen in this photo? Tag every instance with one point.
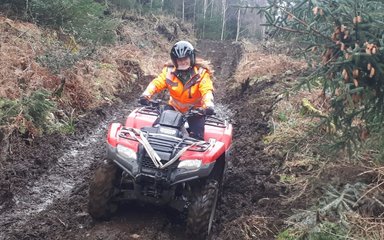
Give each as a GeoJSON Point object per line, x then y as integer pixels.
{"type": "Point", "coordinates": [163, 156]}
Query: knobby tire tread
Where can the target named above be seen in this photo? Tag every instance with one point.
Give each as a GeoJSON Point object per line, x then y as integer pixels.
{"type": "Point", "coordinates": [200, 210]}
{"type": "Point", "coordinates": [101, 190]}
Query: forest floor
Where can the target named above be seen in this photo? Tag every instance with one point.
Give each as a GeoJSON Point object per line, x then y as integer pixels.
{"type": "Point", "coordinates": [44, 188]}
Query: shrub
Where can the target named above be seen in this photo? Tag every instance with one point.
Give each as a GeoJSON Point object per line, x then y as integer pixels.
{"type": "Point", "coordinates": [33, 108]}
{"type": "Point", "coordinates": [58, 57]}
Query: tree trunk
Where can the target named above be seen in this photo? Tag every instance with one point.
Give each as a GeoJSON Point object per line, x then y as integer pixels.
{"type": "Point", "coordinates": [238, 23]}
{"type": "Point", "coordinates": [204, 15]}
{"type": "Point", "coordinates": [194, 14]}
{"type": "Point", "coordinates": [183, 11]}
{"type": "Point", "coordinates": [212, 6]}
{"type": "Point", "coordinates": [140, 7]}
{"type": "Point", "coordinates": [224, 3]}
{"type": "Point", "coordinates": [175, 8]}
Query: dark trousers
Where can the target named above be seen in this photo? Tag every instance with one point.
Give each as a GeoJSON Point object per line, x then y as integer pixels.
{"type": "Point", "coordinates": [196, 124]}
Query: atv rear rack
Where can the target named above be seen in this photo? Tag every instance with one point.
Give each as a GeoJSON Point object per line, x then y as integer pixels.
{"type": "Point", "coordinates": [216, 122]}
{"type": "Point", "coordinates": [149, 111]}
{"type": "Point", "coordinates": [211, 120]}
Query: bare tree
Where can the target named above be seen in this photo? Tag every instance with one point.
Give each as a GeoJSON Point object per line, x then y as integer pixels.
{"type": "Point", "coordinates": [205, 7]}
{"type": "Point", "coordinates": [194, 13]}
{"type": "Point", "coordinates": [183, 18]}
{"type": "Point", "coordinates": [224, 3]}
{"type": "Point", "coordinates": [238, 23]}
{"type": "Point", "coordinates": [251, 20]}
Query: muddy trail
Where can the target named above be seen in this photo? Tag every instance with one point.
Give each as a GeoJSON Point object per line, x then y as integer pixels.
{"type": "Point", "coordinates": [44, 184]}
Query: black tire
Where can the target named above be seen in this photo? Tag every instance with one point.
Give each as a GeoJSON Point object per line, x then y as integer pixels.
{"type": "Point", "coordinates": [101, 191]}
{"type": "Point", "coordinates": [202, 210]}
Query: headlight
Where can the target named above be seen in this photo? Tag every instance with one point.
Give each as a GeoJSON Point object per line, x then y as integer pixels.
{"type": "Point", "coordinates": [190, 164]}
{"type": "Point", "coordinates": [126, 152]}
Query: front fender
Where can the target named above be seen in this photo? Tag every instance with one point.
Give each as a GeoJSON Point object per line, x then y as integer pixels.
{"type": "Point", "coordinates": [113, 131]}
{"type": "Point", "coordinates": [207, 157]}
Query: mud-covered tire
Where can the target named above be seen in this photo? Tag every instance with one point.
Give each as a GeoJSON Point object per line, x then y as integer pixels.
{"type": "Point", "coordinates": [101, 191]}
{"type": "Point", "coordinates": [202, 210]}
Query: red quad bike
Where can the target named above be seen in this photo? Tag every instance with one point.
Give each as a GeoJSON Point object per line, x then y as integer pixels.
{"type": "Point", "coordinates": [159, 163]}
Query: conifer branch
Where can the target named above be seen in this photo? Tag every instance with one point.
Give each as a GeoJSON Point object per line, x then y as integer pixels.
{"type": "Point", "coordinates": [306, 25]}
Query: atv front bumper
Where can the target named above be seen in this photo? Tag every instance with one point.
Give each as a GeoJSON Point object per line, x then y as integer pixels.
{"type": "Point", "coordinates": [141, 169]}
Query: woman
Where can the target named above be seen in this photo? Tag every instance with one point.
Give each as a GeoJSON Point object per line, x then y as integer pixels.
{"type": "Point", "coordinates": [189, 84]}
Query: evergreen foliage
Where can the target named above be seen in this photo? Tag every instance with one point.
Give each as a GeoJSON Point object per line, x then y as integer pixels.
{"type": "Point", "coordinates": [83, 18]}
{"type": "Point", "coordinates": [8, 109]}
{"type": "Point", "coordinates": [33, 108]}
{"type": "Point", "coordinates": [348, 35]}
{"type": "Point", "coordinates": [211, 30]}
{"type": "Point", "coordinates": [89, 20]}
{"type": "Point", "coordinates": [58, 57]}
{"type": "Point", "coordinates": [37, 106]}
{"type": "Point", "coordinates": [125, 4]}
{"type": "Point", "coordinates": [16, 6]}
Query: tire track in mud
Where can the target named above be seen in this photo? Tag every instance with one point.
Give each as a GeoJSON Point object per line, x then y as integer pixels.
{"type": "Point", "coordinates": [67, 175]}
{"type": "Point", "coordinates": [249, 189]}
{"type": "Point", "coordinates": [55, 184]}
{"type": "Point", "coordinates": [224, 57]}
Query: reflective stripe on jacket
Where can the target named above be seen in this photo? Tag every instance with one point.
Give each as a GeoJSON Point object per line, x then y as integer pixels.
{"type": "Point", "coordinates": [196, 92]}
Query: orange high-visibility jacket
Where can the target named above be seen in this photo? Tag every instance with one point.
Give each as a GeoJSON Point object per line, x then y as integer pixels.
{"type": "Point", "coordinates": [196, 92]}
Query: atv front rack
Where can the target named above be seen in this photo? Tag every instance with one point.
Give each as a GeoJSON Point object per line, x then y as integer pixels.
{"type": "Point", "coordinates": [171, 141]}
{"type": "Point", "coordinates": [182, 145]}
{"type": "Point", "coordinates": [172, 144]}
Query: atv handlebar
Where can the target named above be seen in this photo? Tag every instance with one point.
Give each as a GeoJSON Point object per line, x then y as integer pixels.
{"type": "Point", "coordinates": [145, 101]}
{"type": "Point", "coordinates": [156, 103]}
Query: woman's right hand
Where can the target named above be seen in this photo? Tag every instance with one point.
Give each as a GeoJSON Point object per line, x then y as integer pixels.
{"type": "Point", "coordinates": [144, 100]}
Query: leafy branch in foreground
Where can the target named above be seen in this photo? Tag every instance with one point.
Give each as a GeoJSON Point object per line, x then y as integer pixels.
{"type": "Point", "coordinates": [332, 217]}
{"type": "Point", "coordinates": [344, 44]}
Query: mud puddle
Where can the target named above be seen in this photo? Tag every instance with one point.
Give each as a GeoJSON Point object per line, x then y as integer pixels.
{"type": "Point", "coordinates": [56, 183]}
{"type": "Point", "coordinates": [68, 175]}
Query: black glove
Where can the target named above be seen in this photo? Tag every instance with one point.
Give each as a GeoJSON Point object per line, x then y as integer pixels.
{"type": "Point", "coordinates": [209, 111]}
{"type": "Point", "coordinates": [143, 100]}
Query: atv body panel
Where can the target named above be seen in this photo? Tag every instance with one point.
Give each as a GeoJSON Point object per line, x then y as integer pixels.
{"type": "Point", "coordinates": [166, 140]}
{"type": "Point", "coordinates": [216, 129]}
